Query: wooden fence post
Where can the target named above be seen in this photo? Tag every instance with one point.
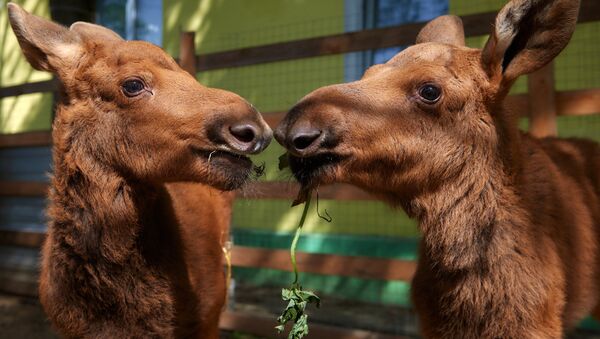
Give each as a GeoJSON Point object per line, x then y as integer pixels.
{"type": "Point", "coordinates": [542, 102]}
{"type": "Point", "coordinates": [187, 52]}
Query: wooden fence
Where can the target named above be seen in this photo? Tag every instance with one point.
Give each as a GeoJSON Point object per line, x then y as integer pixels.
{"type": "Point", "coordinates": [542, 104]}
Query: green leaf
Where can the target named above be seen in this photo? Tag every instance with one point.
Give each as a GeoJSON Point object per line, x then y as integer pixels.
{"type": "Point", "coordinates": [287, 294]}
{"type": "Point", "coordinates": [310, 297]}
{"type": "Point", "coordinates": [300, 328]}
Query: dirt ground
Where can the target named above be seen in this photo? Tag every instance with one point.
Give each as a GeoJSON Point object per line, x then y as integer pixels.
{"type": "Point", "coordinates": [23, 318]}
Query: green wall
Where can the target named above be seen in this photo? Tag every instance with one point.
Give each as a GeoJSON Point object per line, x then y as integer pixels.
{"type": "Point", "coordinates": [25, 112]}
{"type": "Point", "coordinates": [223, 25]}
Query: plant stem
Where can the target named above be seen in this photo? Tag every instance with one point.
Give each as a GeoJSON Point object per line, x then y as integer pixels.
{"type": "Point", "coordinates": [297, 236]}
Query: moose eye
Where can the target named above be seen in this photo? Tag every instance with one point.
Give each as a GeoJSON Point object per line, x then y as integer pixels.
{"type": "Point", "coordinates": [132, 87]}
{"type": "Point", "coordinates": [430, 93]}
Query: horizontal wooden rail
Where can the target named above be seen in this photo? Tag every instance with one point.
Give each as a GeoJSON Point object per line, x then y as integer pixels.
{"type": "Point", "coordinates": [28, 139]}
{"type": "Point", "coordinates": [253, 190]}
{"type": "Point", "coordinates": [263, 326]}
{"type": "Point", "coordinates": [19, 282]}
{"type": "Point", "coordinates": [327, 264]}
{"type": "Point", "coordinates": [23, 188]}
{"type": "Point", "coordinates": [29, 88]}
{"type": "Point", "coordinates": [253, 257]}
{"type": "Point", "coordinates": [21, 238]}
{"type": "Point", "coordinates": [475, 25]}
{"type": "Point", "coordinates": [578, 102]}
{"type": "Point", "coordinates": [328, 45]}
{"type": "Point", "coordinates": [569, 103]}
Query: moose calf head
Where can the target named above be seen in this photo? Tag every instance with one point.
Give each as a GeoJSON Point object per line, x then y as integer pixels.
{"type": "Point", "coordinates": [414, 122]}
{"type": "Point", "coordinates": [130, 107]}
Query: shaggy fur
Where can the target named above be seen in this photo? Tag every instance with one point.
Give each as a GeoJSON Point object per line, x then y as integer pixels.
{"type": "Point", "coordinates": [510, 223]}
{"type": "Point", "coordinates": [129, 252]}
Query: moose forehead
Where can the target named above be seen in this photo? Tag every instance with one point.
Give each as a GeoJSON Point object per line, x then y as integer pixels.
{"type": "Point", "coordinates": [426, 52]}
{"type": "Point", "coordinates": [430, 60]}
{"type": "Point", "coordinates": [133, 52]}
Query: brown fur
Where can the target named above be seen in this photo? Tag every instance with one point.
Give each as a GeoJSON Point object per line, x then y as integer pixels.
{"type": "Point", "coordinates": [130, 253]}
{"type": "Point", "coordinates": [510, 223]}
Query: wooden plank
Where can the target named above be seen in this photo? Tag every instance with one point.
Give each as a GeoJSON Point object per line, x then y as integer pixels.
{"type": "Point", "coordinates": [23, 188]}
{"type": "Point", "coordinates": [328, 45]}
{"type": "Point", "coordinates": [44, 138]}
{"type": "Point", "coordinates": [264, 326]}
{"type": "Point", "coordinates": [28, 88]}
{"type": "Point", "coordinates": [28, 139]}
{"type": "Point", "coordinates": [542, 102]}
{"type": "Point", "coordinates": [574, 102]}
{"type": "Point", "coordinates": [187, 52]}
{"type": "Point", "coordinates": [568, 103]}
{"type": "Point", "coordinates": [327, 264]}
{"type": "Point", "coordinates": [254, 190]}
{"type": "Point", "coordinates": [589, 10]}
{"type": "Point", "coordinates": [19, 282]}
{"type": "Point", "coordinates": [475, 25]}
{"type": "Point", "coordinates": [578, 102]}
{"type": "Point", "coordinates": [242, 256]}
{"type": "Point", "coordinates": [21, 238]}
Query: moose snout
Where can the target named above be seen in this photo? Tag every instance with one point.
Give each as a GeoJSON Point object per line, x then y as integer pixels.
{"type": "Point", "coordinates": [312, 126]}
{"type": "Point", "coordinates": [236, 125]}
{"type": "Point", "coordinates": [302, 138]}
{"type": "Point", "coordinates": [247, 137]}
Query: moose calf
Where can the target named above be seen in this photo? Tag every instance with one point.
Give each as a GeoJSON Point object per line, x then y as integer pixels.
{"type": "Point", "coordinates": [130, 253]}
{"type": "Point", "coordinates": [510, 222]}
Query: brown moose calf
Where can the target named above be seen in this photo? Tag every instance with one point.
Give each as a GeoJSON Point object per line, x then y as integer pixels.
{"type": "Point", "coordinates": [129, 252]}
{"type": "Point", "coordinates": [510, 223]}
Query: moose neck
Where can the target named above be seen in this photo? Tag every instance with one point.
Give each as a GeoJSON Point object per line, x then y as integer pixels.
{"type": "Point", "coordinates": [95, 211]}
{"type": "Point", "coordinates": [466, 222]}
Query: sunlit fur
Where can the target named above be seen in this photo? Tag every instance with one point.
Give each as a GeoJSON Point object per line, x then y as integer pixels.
{"type": "Point", "coordinates": [510, 223]}
{"type": "Point", "coordinates": [129, 252]}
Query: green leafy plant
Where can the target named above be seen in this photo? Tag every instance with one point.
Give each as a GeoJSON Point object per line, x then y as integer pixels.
{"type": "Point", "coordinates": [297, 298]}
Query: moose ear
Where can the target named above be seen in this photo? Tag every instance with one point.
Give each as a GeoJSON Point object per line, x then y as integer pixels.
{"type": "Point", "coordinates": [527, 35]}
{"type": "Point", "coordinates": [446, 29]}
{"type": "Point", "coordinates": [87, 30]}
{"type": "Point", "coordinates": [46, 45]}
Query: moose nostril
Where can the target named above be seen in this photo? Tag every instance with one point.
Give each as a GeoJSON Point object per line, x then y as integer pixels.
{"type": "Point", "coordinates": [245, 132]}
{"type": "Point", "coordinates": [304, 139]}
